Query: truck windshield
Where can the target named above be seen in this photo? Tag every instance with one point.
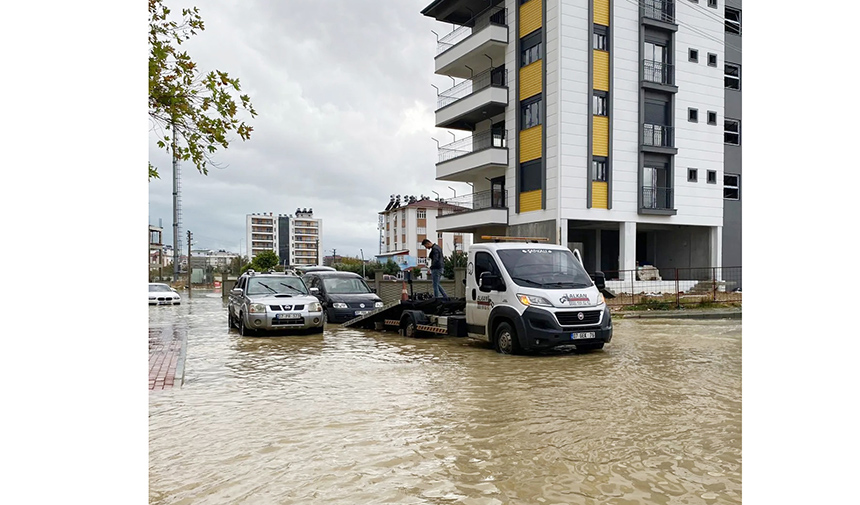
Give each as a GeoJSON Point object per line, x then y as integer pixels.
{"type": "Point", "coordinates": [547, 268]}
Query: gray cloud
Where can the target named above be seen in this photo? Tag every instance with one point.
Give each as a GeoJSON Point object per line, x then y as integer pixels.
{"type": "Point", "coordinates": [345, 118]}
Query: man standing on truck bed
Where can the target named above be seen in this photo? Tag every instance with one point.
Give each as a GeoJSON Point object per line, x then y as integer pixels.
{"type": "Point", "coordinates": [436, 265]}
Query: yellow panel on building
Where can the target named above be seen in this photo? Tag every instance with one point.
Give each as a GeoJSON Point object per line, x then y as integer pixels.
{"type": "Point", "coordinates": [599, 195]}
{"type": "Point", "coordinates": [531, 79]}
{"type": "Point", "coordinates": [600, 138]}
{"type": "Point", "coordinates": [601, 12]}
{"type": "Point", "coordinates": [601, 70]}
{"type": "Point", "coordinates": [530, 200]}
{"type": "Point", "coordinates": [530, 143]}
{"type": "Point", "coordinates": [530, 16]}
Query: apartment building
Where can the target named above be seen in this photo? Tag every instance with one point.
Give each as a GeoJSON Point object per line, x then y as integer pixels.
{"type": "Point", "coordinates": [296, 239]}
{"type": "Point", "coordinates": [405, 224]}
{"type": "Point", "coordinates": [599, 124]}
{"type": "Point", "coordinates": [732, 155]}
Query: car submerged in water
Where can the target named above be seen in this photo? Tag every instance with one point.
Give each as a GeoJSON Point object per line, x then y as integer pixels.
{"type": "Point", "coordinates": [273, 302]}
{"type": "Point", "coordinates": [162, 294]}
{"type": "Point", "coordinates": [344, 295]}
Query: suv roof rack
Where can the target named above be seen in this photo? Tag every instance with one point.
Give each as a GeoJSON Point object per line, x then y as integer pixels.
{"type": "Point", "coordinates": [498, 238]}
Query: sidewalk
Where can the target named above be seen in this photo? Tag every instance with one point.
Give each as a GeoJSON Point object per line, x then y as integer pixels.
{"type": "Point", "coordinates": [680, 314]}
{"type": "Point", "coordinates": [166, 357]}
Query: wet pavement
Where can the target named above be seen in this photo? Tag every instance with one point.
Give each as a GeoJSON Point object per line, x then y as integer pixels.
{"type": "Point", "coordinates": [357, 416]}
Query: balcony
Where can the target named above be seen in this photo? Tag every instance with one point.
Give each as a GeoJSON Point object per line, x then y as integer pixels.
{"type": "Point", "coordinates": [658, 75]}
{"type": "Point", "coordinates": [470, 212]}
{"type": "Point", "coordinates": [482, 155]}
{"type": "Point", "coordinates": [657, 200]}
{"type": "Point", "coordinates": [480, 43]}
{"type": "Point", "coordinates": [658, 139]}
{"type": "Point", "coordinates": [473, 100]}
{"type": "Point", "coordinates": [658, 13]}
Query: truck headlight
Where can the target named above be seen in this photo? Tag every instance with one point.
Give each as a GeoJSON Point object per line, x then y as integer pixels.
{"type": "Point", "coordinates": [378, 305]}
{"type": "Point", "coordinates": [256, 308]}
{"type": "Point", "coordinates": [315, 307]}
{"type": "Point", "coordinates": [338, 305]}
{"type": "Point", "coordinates": [533, 300]}
{"type": "Point", "coordinates": [600, 299]}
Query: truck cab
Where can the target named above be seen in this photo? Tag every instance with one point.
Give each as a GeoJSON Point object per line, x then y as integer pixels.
{"type": "Point", "coordinates": [526, 296]}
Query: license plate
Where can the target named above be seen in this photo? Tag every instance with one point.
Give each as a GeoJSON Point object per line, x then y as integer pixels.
{"type": "Point", "coordinates": [288, 316]}
{"type": "Point", "coordinates": [582, 335]}
{"type": "Point", "coordinates": [361, 312]}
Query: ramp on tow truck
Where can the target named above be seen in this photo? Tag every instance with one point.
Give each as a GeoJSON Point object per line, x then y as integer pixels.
{"type": "Point", "coordinates": [412, 316]}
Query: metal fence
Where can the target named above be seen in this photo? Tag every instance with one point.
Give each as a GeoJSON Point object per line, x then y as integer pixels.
{"type": "Point", "coordinates": [675, 287]}
{"type": "Point", "coordinates": [492, 77]}
{"type": "Point", "coordinates": [658, 71]}
{"type": "Point", "coordinates": [663, 10]}
{"type": "Point", "coordinates": [490, 199]}
{"type": "Point", "coordinates": [473, 144]}
{"type": "Point", "coordinates": [658, 135]}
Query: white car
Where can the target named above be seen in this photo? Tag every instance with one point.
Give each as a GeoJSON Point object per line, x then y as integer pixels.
{"type": "Point", "coordinates": [162, 294]}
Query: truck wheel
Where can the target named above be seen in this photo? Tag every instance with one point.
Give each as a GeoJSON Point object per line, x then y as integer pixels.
{"type": "Point", "coordinates": [506, 339]}
{"type": "Point", "coordinates": [409, 327]}
{"type": "Point", "coordinates": [244, 330]}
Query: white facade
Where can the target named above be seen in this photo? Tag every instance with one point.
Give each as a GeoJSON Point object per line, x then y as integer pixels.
{"type": "Point", "coordinates": [405, 227]}
{"type": "Point", "coordinates": [647, 209]}
{"type": "Point", "coordinates": [296, 239]}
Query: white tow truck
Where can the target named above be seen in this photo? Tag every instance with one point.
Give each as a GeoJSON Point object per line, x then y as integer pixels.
{"type": "Point", "coordinates": [521, 296]}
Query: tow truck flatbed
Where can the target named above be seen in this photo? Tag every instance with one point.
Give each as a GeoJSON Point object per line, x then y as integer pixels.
{"type": "Point", "coordinates": [412, 317]}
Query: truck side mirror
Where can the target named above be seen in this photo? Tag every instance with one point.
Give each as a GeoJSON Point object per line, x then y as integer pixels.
{"type": "Point", "coordinates": [599, 280]}
{"type": "Point", "coordinates": [490, 282]}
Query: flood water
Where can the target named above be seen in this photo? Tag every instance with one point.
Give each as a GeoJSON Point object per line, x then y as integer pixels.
{"type": "Point", "coordinates": [364, 417]}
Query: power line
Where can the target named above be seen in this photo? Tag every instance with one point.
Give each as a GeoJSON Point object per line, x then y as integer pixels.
{"type": "Point", "coordinates": [722, 42]}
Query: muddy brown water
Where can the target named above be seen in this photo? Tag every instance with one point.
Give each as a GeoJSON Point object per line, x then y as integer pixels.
{"type": "Point", "coordinates": [364, 417]}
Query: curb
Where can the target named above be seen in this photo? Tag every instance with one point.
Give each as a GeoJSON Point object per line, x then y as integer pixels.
{"type": "Point", "coordinates": [680, 314]}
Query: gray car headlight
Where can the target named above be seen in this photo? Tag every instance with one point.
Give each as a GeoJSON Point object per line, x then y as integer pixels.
{"type": "Point", "coordinates": [315, 307]}
{"type": "Point", "coordinates": [256, 308]}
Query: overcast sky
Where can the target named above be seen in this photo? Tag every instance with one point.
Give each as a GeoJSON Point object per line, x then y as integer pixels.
{"type": "Point", "coordinates": [345, 118]}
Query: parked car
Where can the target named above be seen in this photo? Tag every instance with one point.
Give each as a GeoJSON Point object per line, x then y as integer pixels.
{"type": "Point", "coordinates": [344, 295]}
{"type": "Point", "coordinates": [273, 302]}
{"type": "Point", "coordinates": [162, 294]}
{"type": "Point", "coordinates": [306, 269]}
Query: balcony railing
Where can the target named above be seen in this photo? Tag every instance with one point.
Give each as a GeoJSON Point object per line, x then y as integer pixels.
{"type": "Point", "coordinates": [491, 199]}
{"type": "Point", "coordinates": [659, 72]}
{"type": "Point", "coordinates": [658, 135]}
{"type": "Point", "coordinates": [491, 16]}
{"type": "Point", "coordinates": [475, 143]}
{"type": "Point", "coordinates": [661, 10]}
{"type": "Point", "coordinates": [484, 80]}
{"type": "Point", "coordinates": [657, 198]}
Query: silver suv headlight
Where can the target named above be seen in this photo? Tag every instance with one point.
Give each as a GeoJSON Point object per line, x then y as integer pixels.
{"type": "Point", "coordinates": [256, 308]}
{"type": "Point", "coordinates": [314, 307]}
{"type": "Point", "coordinates": [533, 300]}
{"type": "Point", "coordinates": [338, 305]}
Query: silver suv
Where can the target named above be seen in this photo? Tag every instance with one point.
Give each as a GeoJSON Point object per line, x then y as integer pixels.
{"type": "Point", "coordinates": [273, 302]}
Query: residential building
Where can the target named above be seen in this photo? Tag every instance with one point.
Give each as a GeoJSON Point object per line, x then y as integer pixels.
{"type": "Point", "coordinates": [732, 194]}
{"type": "Point", "coordinates": [598, 124]}
{"type": "Point", "coordinates": [296, 239]}
{"type": "Point", "coordinates": [404, 225]}
{"type": "Point", "coordinates": [156, 248]}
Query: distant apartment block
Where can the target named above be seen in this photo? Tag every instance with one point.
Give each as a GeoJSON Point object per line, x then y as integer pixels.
{"type": "Point", "coordinates": [608, 126]}
{"type": "Point", "coordinates": [405, 224]}
{"type": "Point", "coordinates": [296, 239]}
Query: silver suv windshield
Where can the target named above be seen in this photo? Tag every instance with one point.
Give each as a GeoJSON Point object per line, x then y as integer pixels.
{"type": "Point", "coordinates": [544, 268]}
{"type": "Point", "coordinates": [276, 285]}
{"type": "Point", "coordinates": [345, 286]}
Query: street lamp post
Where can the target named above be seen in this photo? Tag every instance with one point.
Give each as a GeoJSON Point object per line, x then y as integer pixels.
{"type": "Point", "coordinates": [363, 274]}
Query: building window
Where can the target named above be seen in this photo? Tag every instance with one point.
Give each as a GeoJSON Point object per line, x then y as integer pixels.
{"type": "Point", "coordinates": [531, 112]}
{"type": "Point", "coordinates": [712, 3]}
{"type": "Point", "coordinates": [712, 117]}
{"type": "Point", "coordinates": [712, 176]}
{"type": "Point", "coordinates": [532, 47]}
{"type": "Point", "coordinates": [598, 104]}
{"type": "Point", "coordinates": [732, 132]}
{"type": "Point", "coordinates": [422, 213]}
{"type": "Point", "coordinates": [692, 175]}
{"type": "Point", "coordinates": [693, 115]}
{"type": "Point", "coordinates": [712, 60]}
{"type": "Point", "coordinates": [732, 187]}
{"type": "Point", "coordinates": [598, 38]}
{"type": "Point", "coordinates": [733, 76]}
{"type": "Point", "coordinates": [694, 55]}
{"type": "Point", "coordinates": [733, 21]}
{"type": "Point", "coordinates": [530, 176]}
{"type": "Point", "coordinates": [598, 168]}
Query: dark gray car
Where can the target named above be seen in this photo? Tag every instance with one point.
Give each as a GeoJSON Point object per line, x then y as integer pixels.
{"type": "Point", "coordinates": [344, 295]}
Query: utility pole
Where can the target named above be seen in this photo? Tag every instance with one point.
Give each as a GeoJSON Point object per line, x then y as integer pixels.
{"type": "Point", "coordinates": [176, 251]}
{"type": "Point", "coordinates": [189, 263]}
